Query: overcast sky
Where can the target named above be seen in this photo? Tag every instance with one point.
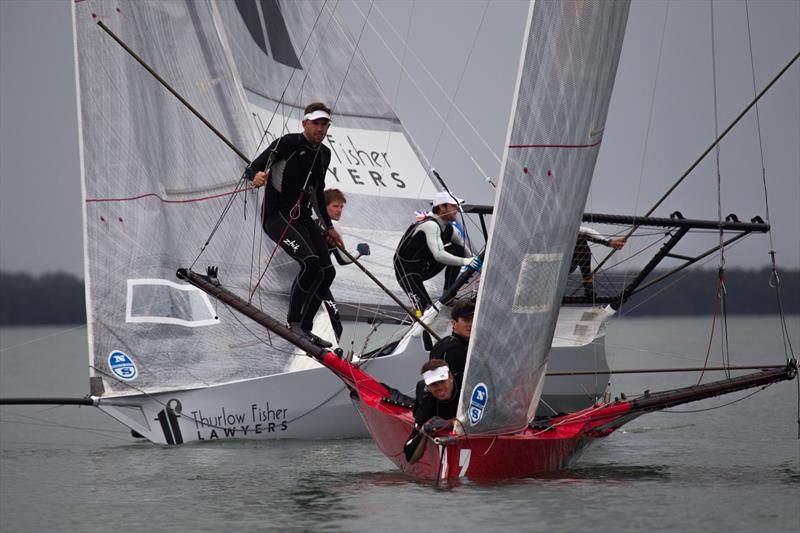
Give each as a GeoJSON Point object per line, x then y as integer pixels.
{"type": "Point", "coordinates": [661, 116]}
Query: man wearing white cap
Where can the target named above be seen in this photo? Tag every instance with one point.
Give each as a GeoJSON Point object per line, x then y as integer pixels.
{"type": "Point", "coordinates": [437, 393]}
{"type": "Point", "coordinates": [293, 168]}
{"type": "Point", "coordinates": [422, 252]}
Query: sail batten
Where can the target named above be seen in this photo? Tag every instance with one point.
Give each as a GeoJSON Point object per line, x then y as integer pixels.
{"type": "Point", "coordinates": [563, 90]}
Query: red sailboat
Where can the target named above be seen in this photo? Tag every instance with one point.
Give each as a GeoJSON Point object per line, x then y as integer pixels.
{"type": "Point", "coordinates": [569, 61]}
{"type": "Point", "coordinates": [450, 452]}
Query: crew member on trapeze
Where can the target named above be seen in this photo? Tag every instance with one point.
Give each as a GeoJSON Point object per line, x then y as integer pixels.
{"type": "Point", "coordinates": [293, 168]}
{"type": "Point", "coordinates": [582, 256]}
{"type": "Point", "coordinates": [430, 245]}
{"type": "Point", "coordinates": [334, 206]}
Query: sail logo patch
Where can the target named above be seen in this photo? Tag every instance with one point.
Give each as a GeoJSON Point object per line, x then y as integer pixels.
{"type": "Point", "coordinates": [122, 365]}
{"type": "Point", "coordinates": [477, 403]}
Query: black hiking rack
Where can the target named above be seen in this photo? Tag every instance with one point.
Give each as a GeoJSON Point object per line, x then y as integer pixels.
{"type": "Point", "coordinates": [615, 289]}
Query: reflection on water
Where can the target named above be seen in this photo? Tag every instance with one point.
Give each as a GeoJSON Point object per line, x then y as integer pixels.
{"type": "Point", "coordinates": [610, 472]}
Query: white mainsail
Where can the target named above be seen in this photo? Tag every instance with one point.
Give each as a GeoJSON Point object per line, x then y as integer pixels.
{"type": "Point", "coordinates": [563, 90]}
{"type": "Point", "coordinates": [156, 180]}
{"type": "Point", "coordinates": [292, 53]}
{"type": "Point", "coordinates": [153, 179]}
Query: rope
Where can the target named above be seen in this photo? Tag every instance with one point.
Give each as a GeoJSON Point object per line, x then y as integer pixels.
{"type": "Point", "coordinates": [427, 100]}
{"type": "Point", "coordinates": [718, 406]}
{"type": "Point", "coordinates": [460, 79]}
{"type": "Point", "coordinates": [713, 326]}
{"type": "Point", "coordinates": [242, 179]}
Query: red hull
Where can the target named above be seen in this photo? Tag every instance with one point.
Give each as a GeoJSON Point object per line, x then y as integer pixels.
{"type": "Point", "coordinates": [554, 446]}
{"type": "Point", "coordinates": [452, 456]}
{"type": "Point", "coordinates": [448, 455]}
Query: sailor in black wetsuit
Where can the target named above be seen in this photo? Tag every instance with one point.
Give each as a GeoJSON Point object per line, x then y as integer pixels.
{"type": "Point", "coordinates": [582, 256]}
{"type": "Point", "coordinates": [293, 167]}
{"type": "Point", "coordinates": [423, 251]}
{"type": "Point", "coordinates": [453, 348]}
{"type": "Point", "coordinates": [437, 393]}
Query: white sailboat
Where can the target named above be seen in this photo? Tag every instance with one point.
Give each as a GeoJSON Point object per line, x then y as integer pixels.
{"type": "Point", "coordinates": [165, 360]}
{"type": "Point", "coordinates": [565, 80]}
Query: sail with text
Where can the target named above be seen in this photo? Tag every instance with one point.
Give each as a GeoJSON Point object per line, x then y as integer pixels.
{"type": "Point", "coordinates": [289, 54]}
{"type": "Point", "coordinates": [156, 181]}
{"type": "Point", "coordinates": [564, 85]}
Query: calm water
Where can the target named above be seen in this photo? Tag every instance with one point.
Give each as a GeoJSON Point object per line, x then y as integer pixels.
{"type": "Point", "coordinates": [736, 468]}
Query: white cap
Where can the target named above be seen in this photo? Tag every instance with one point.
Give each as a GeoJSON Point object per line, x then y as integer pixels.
{"type": "Point", "coordinates": [444, 197]}
{"type": "Point", "coordinates": [437, 374]}
{"type": "Point", "coordinates": [314, 115]}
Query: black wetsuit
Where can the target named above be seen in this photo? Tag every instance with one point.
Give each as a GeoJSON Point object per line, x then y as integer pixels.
{"type": "Point", "coordinates": [287, 218]}
{"type": "Point", "coordinates": [582, 256]}
{"type": "Point", "coordinates": [452, 349]}
{"type": "Point", "coordinates": [414, 262]}
{"type": "Point", "coordinates": [426, 406]}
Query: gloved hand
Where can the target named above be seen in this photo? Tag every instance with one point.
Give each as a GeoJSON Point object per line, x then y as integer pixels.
{"type": "Point", "coordinates": [362, 248]}
{"type": "Point", "coordinates": [476, 264]}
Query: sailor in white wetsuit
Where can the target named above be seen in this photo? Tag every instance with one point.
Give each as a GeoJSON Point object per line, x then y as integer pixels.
{"type": "Point", "coordinates": [582, 256]}
{"type": "Point", "coordinates": [430, 245]}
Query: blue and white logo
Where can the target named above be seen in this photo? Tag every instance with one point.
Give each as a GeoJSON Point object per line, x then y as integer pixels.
{"type": "Point", "coordinates": [122, 365]}
{"type": "Point", "coordinates": [477, 403]}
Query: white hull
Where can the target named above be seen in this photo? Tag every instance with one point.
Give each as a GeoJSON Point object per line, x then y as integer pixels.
{"type": "Point", "coordinates": [314, 404]}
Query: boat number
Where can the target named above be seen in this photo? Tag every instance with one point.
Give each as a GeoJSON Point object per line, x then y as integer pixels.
{"type": "Point", "coordinates": [477, 403]}
{"type": "Point", "coordinates": [122, 365]}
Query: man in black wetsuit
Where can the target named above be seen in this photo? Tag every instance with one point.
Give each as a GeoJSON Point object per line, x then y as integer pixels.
{"type": "Point", "coordinates": [582, 256]}
{"type": "Point", "coordinates": [293, 168]}
{"type": "Point", "coordinates": [437, 393]}
{"type": "Point", "coordinates": [453, 348]}
{"type": "Point", "coordinates": [423, 251]}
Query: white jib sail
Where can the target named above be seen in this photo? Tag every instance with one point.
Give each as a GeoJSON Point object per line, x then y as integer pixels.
{"type": "Point", "coordinates": [569, 62]}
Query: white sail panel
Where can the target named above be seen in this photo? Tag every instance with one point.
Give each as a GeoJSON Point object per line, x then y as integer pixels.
{"type": "Point", "coordinates": [155, 182]}
{"type": "Point", "coordinates": [378, 163]}
{"type": "Point", "coordinates": [564, 87]}
{"type": "Point", "coordinates": [289, 54]}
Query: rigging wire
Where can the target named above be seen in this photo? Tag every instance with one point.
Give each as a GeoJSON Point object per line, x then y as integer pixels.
{"type": "Point", "coordinates": [242, 179]}
{"type": "Point", "coordinates": [477, 34]}
{"type": "Point", "coordinates": [702, 156]}
{"type": "Point", "coordinates": [427, 100]}
{"type": "Point", "coordinates": [439, 86]}
{"type": "Point", "coordinates": [774, 278]}
{"type": "Point", "coordinates": [673, 282]}
{"type": "Point", "coordinates": [721, 287]}
{"type": "Point", "coordinates": [717, 406]}
{"type": "Point", "coordinates": [43, 337]}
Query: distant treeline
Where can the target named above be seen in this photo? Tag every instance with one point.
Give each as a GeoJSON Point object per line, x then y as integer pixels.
{"type": "Point", "coordinates": [748, 292]}
{"type": "Point", "coordinates": [48, 299]}
{"type": "Point", "coordinates": [59, 298]}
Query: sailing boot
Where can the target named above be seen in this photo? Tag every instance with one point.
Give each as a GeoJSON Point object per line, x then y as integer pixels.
{"type": "Point", "coordinates": [295, 328]}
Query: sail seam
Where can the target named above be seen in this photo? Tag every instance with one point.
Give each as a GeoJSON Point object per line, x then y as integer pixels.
{"type": "Point", "coordinates": [555, 145]}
